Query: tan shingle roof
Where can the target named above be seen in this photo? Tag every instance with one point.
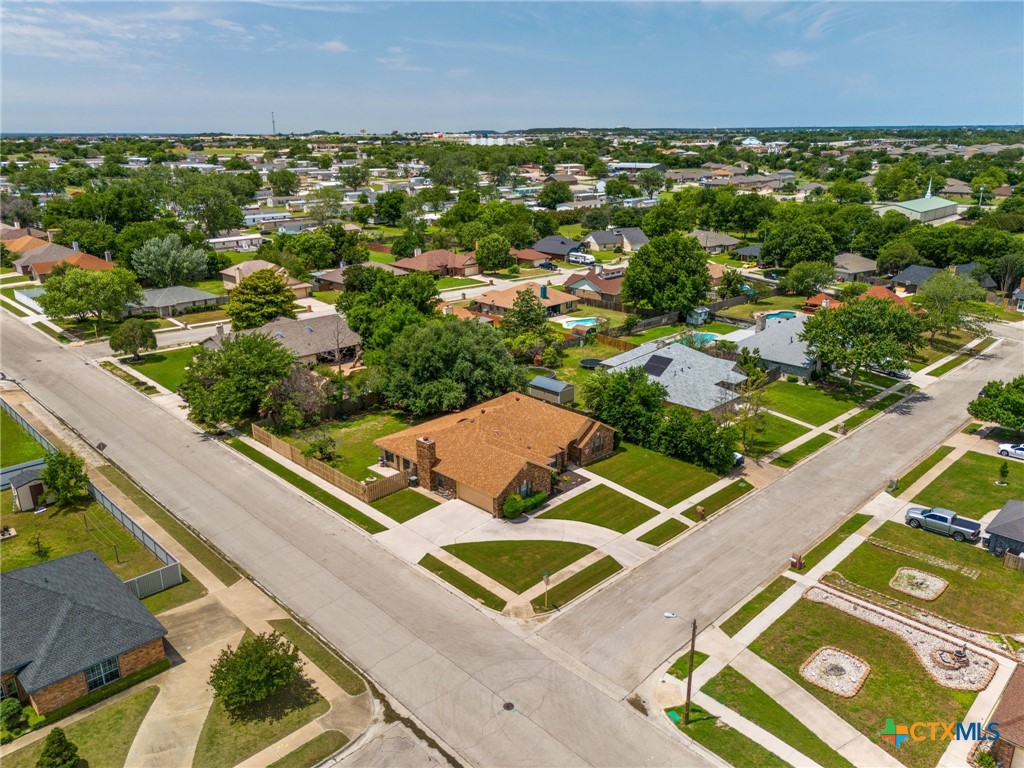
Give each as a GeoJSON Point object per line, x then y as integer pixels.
{"type": "Point", "coordinates": [24, 243]}
{"type": "Point", "coordinates": [505, 298]}
{"type": "Point", "coordinates": [429, 261]}
{"type": "Point", "coordinates": [1010, 712]}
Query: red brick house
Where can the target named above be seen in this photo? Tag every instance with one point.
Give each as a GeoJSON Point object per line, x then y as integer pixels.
{"type": "Point", "coordinates": [507, 445]}
{"type": "Point", "coordinates": [71, 626]}
{"type": "Point", "coordinates": [441, 263]}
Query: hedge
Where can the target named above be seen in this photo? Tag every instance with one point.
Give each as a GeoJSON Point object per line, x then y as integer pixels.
{"type": "Point", "coordinates": [515, 505]}
{"type": "Point", "coordinates": [106, 691]}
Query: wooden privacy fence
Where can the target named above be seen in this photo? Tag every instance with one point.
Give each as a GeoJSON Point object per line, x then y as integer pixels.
{"type": "Point", "coordinates": [615, 342]}
{"type": "Point", "coordinates": [367, 492]}
{"type": "Point", "coordinates": [1016, 562]}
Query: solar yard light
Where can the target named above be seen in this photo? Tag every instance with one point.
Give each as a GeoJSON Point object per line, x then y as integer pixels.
{"type": "Point", "coordinates": [689, 674]}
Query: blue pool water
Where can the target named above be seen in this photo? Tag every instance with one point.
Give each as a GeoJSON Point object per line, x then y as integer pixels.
{"type": "Point", "coordinates": [783, 314]}
{"type": "Point", "coordinates": [698, 340]}
{"type": "Point", "coordinates": [587, 321]}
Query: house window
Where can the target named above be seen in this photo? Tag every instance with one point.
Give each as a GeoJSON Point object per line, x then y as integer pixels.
{"type": "Point", "coordinates": [9, 689]}
{"type": "Point", "coordinates": [524, 489]}
{"type": "Point", "coordinates": [598, 443]}
{"type": "Point", "coordinates": [100, 674]}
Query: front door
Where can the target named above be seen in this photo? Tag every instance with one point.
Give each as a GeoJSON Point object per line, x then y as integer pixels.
{"type": "Point", "coordinates": [37, 492]}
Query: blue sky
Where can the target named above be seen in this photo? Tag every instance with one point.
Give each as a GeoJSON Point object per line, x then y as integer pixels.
{"type": "Point", "coordinates": [381, 66]}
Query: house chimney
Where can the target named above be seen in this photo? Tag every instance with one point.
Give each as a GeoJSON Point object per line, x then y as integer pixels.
{"type": "Point", "coordinates": [759, 321]}
{"type": "Point", "coordinates": [447, 309]}
{"type": "Point", "coordinates": [426, 458]}
{"type": "Point", "coordinates": [543, 292]}
{"type": "Point", "coordinates": [17, 225]}
{"type": "Point", "coordinates": [74, 246]}
{"type": "Point", "coordinates": [416, 252]}
{"type": "Point", "coordinates": [220, 329]}
{"type": "Point", "coordinates": [106, 254]}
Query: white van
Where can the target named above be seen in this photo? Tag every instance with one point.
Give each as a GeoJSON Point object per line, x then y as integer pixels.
{"type": "Point", "coordinates": [578, 257]}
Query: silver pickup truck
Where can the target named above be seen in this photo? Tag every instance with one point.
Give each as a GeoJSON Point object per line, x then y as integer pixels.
{"type": "Point", "coordinates": [944, 521]}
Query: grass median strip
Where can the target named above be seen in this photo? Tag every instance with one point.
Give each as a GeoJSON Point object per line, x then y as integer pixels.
{"type": "Point", "coordinates": [321, 656]}
{"type": "Point", "coordinates": [577, 584]}
{"type": "Point", "coordinates": [605, 507]}
{"type": "Point", "coordinates": [734, 747]}
{"type": "Point", "coordinates": [871, 411]}
{"type": "Point", "coordinates": [313, 752]}
{"type": "Point", "coordinates": [755, 605]}
{"type": "Point", "coordinates": [719, 499]}
{"type": "Point", "coordinates": [918, 471]}
{"type": "Point", "coordinates": [518, 565]}
{"type": "Point", "coordinates": [803, 450]}
{"type": "Point", "coordinates": [143, 387]}
{"type": "Point", "coordinates": [663, 533]}
{"type": "Point", "coordinates": [14, 309]}
{"type": "Point", "coordinates": [834, 539]}
{"type": "Point", "coordinates": [462, 583]}
{"type": "Point", "coordinates": [681, 666]}
{"type": "Point", "coordinates": [329, 500]}
{"type": "Point", "coordinates": [950, 364]}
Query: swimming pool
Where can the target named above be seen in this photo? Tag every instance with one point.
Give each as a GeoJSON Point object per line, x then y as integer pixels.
{"type": "Point", "coordinates": [782, 314]}
{"type": "Point", "coordinates": [698, 340]}
{"type": "Point", "coordinates": [585, 321]}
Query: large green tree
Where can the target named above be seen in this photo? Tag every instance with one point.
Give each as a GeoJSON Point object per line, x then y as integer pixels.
{"type": "Point", "coordinates": [261, 297]}
{"type": "Point", "coordinates": [1001, 403]}
{"type": "Point", "coordinates": [325, 204]}
{"type": "Point", "coordinates": [863, 333]}
{"type": "Point", "coordinates": [650, 180]}
{"type": "Point", "coordinates": [555, 193]}
{"type": "Point", "coordinates": [283, 182]}
{"type": "Point", "coordinates": [131, 336]}
{"type": "Point", "coordinates": [390, 207]}
{"type": "Point", "coordinates": [953, 303]}
{"type": "Point", "coordinates": [105, 295]}
{"type": "Point", "coordinates": [229, 383]}
{"type": "Point", "coordinates": [447, 364]}
{"type": "Point", "coordinates": [212, 206]}
{"type": "Point", "coordinates": [93, 237]}
{"type": "Point", "coordinates": [379, 305]}
{"type": "Point", "coordinates": [790, 242]}
{"type": "Point", "coordinates": [163, 262]}
{"type": "Point", "coordinates": [259, 667]}
{"type": "Point", "coordinates": [64, 476]}
{"type": "Point", "coordinates": [353, 176]}
{"type": "Point", "coordinates": [669, 273]}
{"type": "Point", "coordinates": [627, 400]}
{"type": "Point", "coordinates": [492, 253]}
{"type": "Point", "coordinates": [699, 440]}
{"type": "Point", "coordinates": [808, 277]}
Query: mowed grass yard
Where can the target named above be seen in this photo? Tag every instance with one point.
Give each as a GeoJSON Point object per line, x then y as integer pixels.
{"type": "Point", "coordinates": [933, 351]}
{"type": "Point", "coordinates": [165, 368]}
{"type": "Point", "coordinates": [404, 505]}
{"type": "Point", "coordinates": [605, 507]}
{"type": "Point", "coordinates": [968, 485]}
{"type": "Point", "coordinates": [993, 602]}
{"type": "Point", "coordinates": [809, 403]}
{"type": "Point", "coordinates": [774, 432]}
{"type": "Point", "coordinates": [65, 530]}
{"type": "Point", "coordinates": [897, 687]}
{"type": "Point", "coordinates": [355, 453]}
{"type": "Point", "coordinates": [661, 479]}
{"type": "Point", "coordinates": [16, 445]}
{"type": "Point", "coordinates": [771, 304]}
{"type": "Point", "coordinates": [518, 565]}
{"type": "Point", "coordinates": [570, 369]}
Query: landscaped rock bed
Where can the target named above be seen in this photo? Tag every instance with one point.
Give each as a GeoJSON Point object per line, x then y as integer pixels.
{"type": "Point", "coordinates": [837, 671]}
{"type": "Point", "coordinates": [951, 665]}
{"type": "Point", "coordinates": [923, 586]}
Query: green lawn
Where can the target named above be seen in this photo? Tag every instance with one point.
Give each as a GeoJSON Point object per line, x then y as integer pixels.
{"type": "Point", "coordinates": [103, 738]}
{"type": "Point", "coordinates": [14, 309]}
{"type": "Point", "coordinates": [726, 259]}
{"type": "Point", "coordinates": [968, 486]}
{"type": "Point", "coordinates": [16, 445]}
{"type": "Point", "coordinates": [329, 500]}
{"type": "Point", "coordinates": [657, 333]}
{"type": "Point", "coordinates": [571, 231]}
{"type": "Point", "coordinates": [755, 605]}
{"type": "Point", "coordinates": [321, 656]}
{"type": "Point", "coordinates": [381, 258]}
{"type": "Point", "coordinates": [1003, 314]}
{"type": "Point", "coordinates": [209, 316]}
{"type": "Point", "coordinates": [934, 351]}
{"type": "Point", "coordinates": [719, 328]}
{"type": "Point", "coordinates": [199, 549]}
{"type": "Point", "coordinates": [176, 596]}
{"type": "Point", "coordinates": [577, 584]}
{"type": "Point", "coordinates": [570, 369]}
{"type": "Point", "coordinates": [226, 740]}
{"type": "Point", "coordinates": [876, 378]}
{"type": "Point", "coordinates": [447, 283]}
{"type": "Point", "coordinates": [518, 565]}
{"type": "Point", "coordinates": [719, 499]}
{"type": "Point", "coordinates": [774, 433]}
{"type": "Point", "coordinates": [613, 316]}
{"type": "Point", "coordinates": [735, 748]}
{"type": "Point", "coordinates": [736, 692]}
{"type": "Point", "coordinates": [834, 539]}
{"type": "Point", "coordinates": [314, 751]}
{"type": "Point", "coordinates": [661, 479]}
{"type": "Point", "coordinates": [897, 687]}
{"type": "Point", "coordinates": [680, 667]}
{"type": "Point", "coordinates": [65, 530]}
{"type": "Point", "coordinates": [53, 333]}
{"type": "Point", "coordinates": [663, 533]}
{"type": "Point", "coordinates": [918, 470]}
{"type": "Point", "coordinates": [404, 505]}
{"type": "Point", "coordinates": [992, 602]}
{"type": "Point", "coordinates": [803, 450]}
{"type": "Point", "coordinates": [355, 453]}
{"type": "Point", "coordinates": [328, 297]}
{"type": "Point", "coordinates": [214, 285]}
{"type": "Point", "coordinates": [165, 368]}
{"type": "Point", "coordinates": [462, 583]}
{"type": "Point", "coordinates": [771, 304]}
{"type": "Point", "coordinates": [873, 410]}
{"type": "Point", "coordinates": [605, 507]}
{"type": "Point", "coordinates": [128, 378]}
{"type": "Point", "coordinates": [809, 403]}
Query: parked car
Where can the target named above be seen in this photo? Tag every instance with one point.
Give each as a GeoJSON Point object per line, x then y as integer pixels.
{"type": "Point", "coordinates": [737, 459]}
{"type": "Point", "coordinates": [944, 521]}
{"type": "Point", "coordinates": [1016, 450]}
{"type": "Point", "coordinates": [548, 265]}
{"type": "Point", "coordinates": [902, 374]}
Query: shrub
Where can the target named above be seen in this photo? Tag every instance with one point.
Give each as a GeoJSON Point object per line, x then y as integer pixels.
{"type": "Point", "coordinates": [792, 378]}
{"type": "Point", "coordinates": [259, 667]}
{"type": "Point", "coordinates": [515, 506]}
{"type": "Point", "coordinates": [58, 752]}
{"type": "Point", "coordinates": [12, 718]}
{"type": "Point", "coordinates": [985, 760]}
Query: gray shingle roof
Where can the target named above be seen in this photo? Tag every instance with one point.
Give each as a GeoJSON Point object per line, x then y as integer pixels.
{"type": "Point", "coordinates": [1009, 521]}
{"type": "Point", "coordinates": [176, 294]}
{"type": "Point", "coordinates": [711, 239]}
{"type": "Point", "coordinates": [749, 251]}
{"type": "Point", "coordinates": [26, 476]}
{"type": "Point", "coordinates": [915, 274]}
{"type": "Point", "coordinates": [555, 245]}
{"type": "Point", "coordinates": [854, 262]}
{"type": "Point", "coordinates": [780, 343]}
{"type": "Point", "coordinates": [691, 377]}
{"type": "Point", "coordinates": [548, 384]}
{"type": "Point", "coordinates": [312, 336]}
{"type": "Point", "coordinates": [62, 616]}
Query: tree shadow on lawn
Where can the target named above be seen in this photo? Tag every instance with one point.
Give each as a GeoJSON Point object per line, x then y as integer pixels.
{"type": "Point", "coordinates": [298, 695]}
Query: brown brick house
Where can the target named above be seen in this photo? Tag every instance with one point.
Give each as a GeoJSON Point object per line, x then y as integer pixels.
{"type": "Point", "coordinates": [510, 444]}
{"type": "Point", "coordinates": [71, 626]}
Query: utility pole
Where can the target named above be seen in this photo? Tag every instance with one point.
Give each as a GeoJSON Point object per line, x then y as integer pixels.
{"type": "Point", "coordinates": [273, 125]}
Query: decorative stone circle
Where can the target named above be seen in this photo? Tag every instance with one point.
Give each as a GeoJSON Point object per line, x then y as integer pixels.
{"type": "Point", "coordinates": [923, 586]}
{"type": "Point", "coordinates": [836, 671]}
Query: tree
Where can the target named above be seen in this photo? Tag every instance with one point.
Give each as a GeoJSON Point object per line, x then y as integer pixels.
{"type": "Point", "coordinates": [131, 336]}
{"type": "Point", "coordinates": [64, 476]}
{"type": "Point", "coordinates": [697, 439]}
{"type": "Point", "coordinates": [843, 191]}
{"type": "Point", "coordinates": [862, 333]}
{"type": "Point", "coordinates": [379, 305]}
{"type": "Point", "coordinates": [749, 415]}
{"type": "Point", "coordinates": [12, 716]}
{"type": "Point", "coordinates": [663, 218]}
{"type": "Point", "coordinates": [528, 315]}
{"type": "Point", "coordinates": [133, 236]}
{"type": "Point", "coordinates": [1001, 403]}
{"type": "Point", "coordinates": [732, 284]}
{"type": "Point", "coordinates": [212, 206]}
{"type": "Point", "coordinates": [808, 277]}
{"type": "Point", "coordinates": [230, 383]}
{"type": "Point", "coordinates": [669, 273]}
{"type": "Point", "coordinates": [298, 399]}
{"type": "Point", "coordinates": [627, 400]}
{"type": "Point", "coordinates": [353, 176]}
{"type": "Point", "coordinates": [312, 249]}
{"type": "Point", "coordinates": [283, 182]}
{"type": "Point", "coordinates": [258, 668]}
{"type": "Point", "coordinates": [619, 188]}
{"type": "Point", "coordinates": [650, 180]}
{"type": "Point", "coordinates": [390, 206]}
{"type": "Point", "coordinates": [953, 303]}
{"type": "Point", "coordinates": [897, 255]}
{"type": "Point", "coordinates": [1007, 270]}
{"type": "Point", "coordinates": [261, 297]}
{"type": "Point", "coordinates": [237, 163]}
{"type": "Point", "coordinates": [554, 193]}
{"type": "Point", "coordinates": [447, 364]}
{"type": "Point", "coordinates": [58, 751]}
{"type": "Point", "coordinates": [790, 242]}
{"type": "Point", "coordinates": [74, 292]}
{"type": "Point", "coordinates": [93, 237]}
{"type": "Point", "coordinates": [167, 261]}
{"type": "Point", "coordinates": [492, 253]}
{"type": "Point", "coordinates": [325, 204]}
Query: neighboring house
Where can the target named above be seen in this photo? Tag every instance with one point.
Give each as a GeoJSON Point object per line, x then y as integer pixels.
{"type": "Point", "coordinates": [499, 302]}
{"type": "Point", "coordinates": [41, 270]}
{"type": "Point", "coordinates": [556, 246]}
{"type": "Point", "coordinates": [786, 175]}
{"type": "Point", "coordinates": [852, 267]}
{"type": "Point", "coordinates": [507, 445]}
{"type": "Point", "coordinates": [599, 284]}
{"type": "Point", "coordinates": [166, 302]}
{"type": "Point", "coordinates": [441, 262]}
{"type": "Point", "coordinates": [564, 178]}
{"type": "Point", "coordinates": [529, 257]}
{"type": "Point", "coordinates": [1017, 297]}
{"type": "Point", "coordinates": [552, 390]}
{"type": "Point", "coordinates": [914, 276]}
{"type": "Point", "coordinates": [232, 276]}
{"type": "Point", "coordinates": [820, 301]}
{"type": "Point", "coordinates": [881, 292]}
{"type": "Point", "coordinates": [716, 272]}
{"type": "Point", "coordinates": [1008, 749]}
{"type": "Point", "coordinates": [749, 252]}
{"type": "Point", "coordinates": [70, 627]}
{"type": "Point", "coordinates": [240, 243]}
{"type": "Point", "coordinates": [334, 279]}
{"type": "Point", "coordinates": [40, 255]}
{"type": "Point", "coordinates": [714, 242]}
{"type": "Point", "coordinates": [1006, 531]}
{"type": "Point", "coordinates": [24, 243]}
{"type": "Point", "coordinates": [628, 239]}
{"type": "Point", "coordinates": [467, 314]}
{"type": "Point", "coordinates": [28, 489]}
{"type": "Point", "coordinates": [312, 340]}
{"type": "Point", "coordinates": [957, 188]}
{"type": "Point", "coordinates": [692, 379]}
{"type": "Point", "coordinates": [8, 232]}
{"type": "Point", "coordinates": [778, 342]}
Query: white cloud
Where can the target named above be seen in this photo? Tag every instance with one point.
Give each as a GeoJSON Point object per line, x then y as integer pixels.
{"type": "Point", "coordinates": [792, 58]}
{"type": "Point", "coordinates": [398, 59]}
{"type": "Point", "coordinates": [334, 46]}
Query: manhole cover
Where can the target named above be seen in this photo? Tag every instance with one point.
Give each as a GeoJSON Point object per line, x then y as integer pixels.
{"type": "Point", "coordinates": [508, 706]}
